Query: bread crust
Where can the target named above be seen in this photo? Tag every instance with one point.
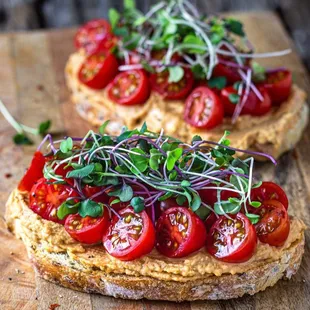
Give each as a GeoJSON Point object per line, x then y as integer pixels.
{"type": "Point", "coordinates": [273, 133]}
{"type": "Point", "coordinates": [74, 273]}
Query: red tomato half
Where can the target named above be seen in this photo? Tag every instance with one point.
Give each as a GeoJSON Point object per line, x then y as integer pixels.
{"type": "Point", "coordinates": [45, 199]}
{"type": "Point", "coordinates": [278, 84]}
{"type": "Point", "coordinates": [90, 191]}
{"type": "Point", "coordinates": [129, 88]}
{"type": "Point", "coordinates": [210, 220]}
{"type": "Point", "coordinates": [98, 70]}
{"type": "Point", "coordinates": [130, 236]}
{"type": "Point", "coordinates": [91, 34]}
{"type": "Point", "coordinates": [203, 108]}
{"type": "Point", "coordinates": [232, 240]}
{"type": "Point", "coordinates": [274, 225]}
{"type": "Point", "coordinates": [253, 106]}
{"type": "Point", "coordinates": [33, 173]}
{"type": "Point", "coordinates": [172, 91]}
{"type": "Point", "coordinates": [180, 232]}
{"type": "Point", "coordinates": [269, 191]}
{"type": "Point", "coordinates": [230, 73]}
{"type": "Point", "coordinates": [87, 230]}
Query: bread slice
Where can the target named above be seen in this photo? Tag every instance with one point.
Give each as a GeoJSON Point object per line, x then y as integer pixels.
{"type": "Point", "coordinates": [274, 133]}
{"type": "Point", "coordinates": [59, 259]}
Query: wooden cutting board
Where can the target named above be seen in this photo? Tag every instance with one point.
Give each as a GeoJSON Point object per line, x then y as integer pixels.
{"type": "Point", "coordinates": [33, 88]}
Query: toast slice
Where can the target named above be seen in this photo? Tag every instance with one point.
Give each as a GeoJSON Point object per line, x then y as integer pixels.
{"type": "Point", "coordinates": [59, 259]}
{"type": "Point", "coordinates": [274, 133]}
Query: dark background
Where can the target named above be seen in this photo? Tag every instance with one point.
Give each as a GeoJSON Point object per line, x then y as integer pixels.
{"type": "Point", "coordinates": [36, 14]}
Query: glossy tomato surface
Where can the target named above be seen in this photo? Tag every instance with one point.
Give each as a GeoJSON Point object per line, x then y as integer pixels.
{"type": "Point", "coordinates": [274, 225]}
{"type": "Point", "coordinates": [179, 232]}
{"type": "Point", "coordinates": [45, 199]}
{"type": "Point", "coordinates": [98, 70]}
{"type": "Point", "coordinates": [173, 91]}
{"type": "Point", "coordinates": [210, 220]}
{"type": "Point", "coordinates": [130, 236]}
{"type": "Point", "coordinates": [87, 229]}
{"type": "Point", "coordinates": [96, 193]}
{"type": "Point", "coordinates": [279, 85]}
{"type": "Point", "coordinates": [33, 173]}
{"type": "Point", "coordinates": [232, 240]}
{"type": "Point", "coordinates": [253, 106]}
{"type": "Point", "coordinates": [269, 191]}
{"type": "Point", "coordinates": [90, 35]}
{"type": "Point", "coordinates": [129, 88]}
{"type": "Point", "coordinates": [203, 108]}
{"type": "Point", "coordinates": [231, 73]}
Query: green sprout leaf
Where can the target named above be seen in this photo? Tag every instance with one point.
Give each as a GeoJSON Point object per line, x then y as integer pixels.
{"type": "Point", "coordinates": [22, 139]}
{"type": "Point", "coordinates": [103, 127]}
{"type": "Point", "coordinates": [44, 127]}
{"type": "Point", "coordinates": [114, 17]}
{"type": "Point", "coordinates": [181, 200]}
{"type": "Point", "coordinates": [218, 82]}
{"type": "Point", "coordinates": [137, 203]}
{"type": "Point", "coordinates": [173, 157]}
{"type": "Point", "coordinates": [67, 207]}
{"type": "Point", "coordinates": [255, 204]}
{"type": "Point", "coordinates": [234, 98]}
{"type": "Point", "coordinates": [259, 72]}
{"type": "Point", "coordinates": [81, 173]}
{"type": "Point", "coordinates": [256, 185]}
{"type": "Point", "coordinates": [203, 212]}
{"type": "Point", "coordinates": [90, 208]}
{"type": "Point", "coordinates": [124, 193]}
{"type": "Point", "coordinates": [227, 206]}
{"type": "Point", "coordinates": [66, 145]}
{"type": "Point", "coordinates": [143, 128]}
{"type": "Point", "coordinates": [196, 138]}
{"type": "Point", "coordinates": [254, 218]}
{"type": "Point", "coordinates": [155, 156]}
{"type": "Point", "coordinates": [235, 26]}
{"type": "Point", "coordinates": [196, 202]}
{"type": "Point", "coordinates": [176, 74]}
{"type": "Point", "coordinates": [129, 4]}
{"type": "Point", "coordinates": [140, 161]}
{"type": "Point", "coordinates": [195, 40]}
{"type": "Point", "coordinates": [185, 183]}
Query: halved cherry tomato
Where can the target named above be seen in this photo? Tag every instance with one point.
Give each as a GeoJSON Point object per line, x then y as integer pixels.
{"type": "Point", "coordinates": [278, 84]}
{"type": "Point", "coordinates": [91, 34]}
{"type": "Point", "coordinates": [33, 173]}
{"type": "Point", "coordinates": [45, 199]}
{"type": "Point", "coordinates": [98, 70]}
{"type": "Point", "coordinates": [129, 88]}
{"type": "Point", "coordinates": [232, 240]}
{"type": "Point", "coordinates": [203, 108]}
{"type": "Point", "coordinates": [230, 73]}
{"type": "Point", "coordinates": [252, 106]}
{"type": "Point", "coordinates": [269, 191]}
{"type": "Point", "coordinates": [105, 45]}
{"type": "Point", "coordinates": [90, 191]}
{"type": "Point", "coordinates": [172, 91]}
{"type": "Point", "coordinates": [87, 229]}
{"type": "Point", "coordinates": [130, 236]}
{"type": "Point", "coordinates": [179, 232]}
{"type": "Point", "coordinates": [274, 225]}
{"type": "Point", "coordinates": [210, 220]}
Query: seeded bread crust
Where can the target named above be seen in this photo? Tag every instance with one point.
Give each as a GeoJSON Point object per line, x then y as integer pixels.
{"type": "Point", "coordinates": [274, 133]}
{"type": "Point", "coordinates": [59, 267]}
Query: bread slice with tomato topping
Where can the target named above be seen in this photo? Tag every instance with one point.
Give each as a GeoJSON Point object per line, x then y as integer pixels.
{"type": "Point", "coordinates": [60, 259]}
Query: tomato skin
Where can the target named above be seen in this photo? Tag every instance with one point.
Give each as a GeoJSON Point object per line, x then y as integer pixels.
{"type": "Point", "coordinates": [45, 199]}
{"type": "Point", "coordinates": [172, 91]}
{"type": "Point", "coordinates": [210, 220]}
{"type": "Point", "coordinates": [225, 230]}
{"type": "Point", "coordinates": [89, 191]}
{"type": "Point", "coordinates": [131, 248]}
{"type": "Point", "coordinates": [253, 106]}
{"type": "Point", "coordinates": [269, 191]}
{"type": "Point", "coordinates": [190, 239]}
{"type": "Point", "coordinates": [98, 70]}
{"type": "Point", "coordinates": [274, 225]}
{"type": "Point", "coordinates": [203, 108]}
{"type": "Point", "coordinates": [91, 34]}
{"type": "Point", "coordinates": [92, 229]}
{"type": "Point", "coordinates": [230, 73]}
{"type": "Point", "coordinates": [123, 82]}
{"type": "Point", "coordinates": [278, 85]}
{"type": "Point", "coordinates": [33, 173]}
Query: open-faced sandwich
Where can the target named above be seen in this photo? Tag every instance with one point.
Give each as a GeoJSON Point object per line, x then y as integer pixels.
{"type": "Point", "coordinates": [143, 215]}
{"type": "Point", "coordinates": [186, 73]}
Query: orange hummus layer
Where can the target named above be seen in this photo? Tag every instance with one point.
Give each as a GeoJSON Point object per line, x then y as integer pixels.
{"type": "Point", "coordinates": [54, 240]}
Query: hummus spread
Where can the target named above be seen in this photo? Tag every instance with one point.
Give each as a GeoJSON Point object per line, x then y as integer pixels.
{"type": "Point", "coordinates": [273, 133]}
{"type": "Point", "coordinates": [57, 244]}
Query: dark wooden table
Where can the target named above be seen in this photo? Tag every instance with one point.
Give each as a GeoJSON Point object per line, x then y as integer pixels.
{"type": "Point", "coordinates": [33, 88]}
{"type": "Point", "coordinates": [34, 14]}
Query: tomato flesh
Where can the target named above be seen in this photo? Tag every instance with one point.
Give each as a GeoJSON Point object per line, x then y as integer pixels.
{"type": "Point", "coordinates": [274, 225]}
{"type": "Point", "coordinates": [203, 108]}
{"type": "Point", "coordinates": [232, 240]}
{"type": "Point", "coordinates": [179, 232]}
{"type": "Point", "coordinates": [278, 85]}
{"type": "Point", "coordinates": [253, 106]}
{"type": "Point", "coordinates": [87, 230]}
{"type": "Point", "coordinates": [129, 88]}
{"type": "Point", "coordinates": [175, 90]}
{"type": "Point", "coordinates": [130, 236]}
{"type": "Point", "coordinates": [269, 191]}
{"type": "Point", "coordinates": [33, 173]}
{"type": "Point", "coordinates": [98, 70]}
{"type": "Point", "coordinates": [90, 35]}
{"type": "Point", "coordinates": [45, 199]}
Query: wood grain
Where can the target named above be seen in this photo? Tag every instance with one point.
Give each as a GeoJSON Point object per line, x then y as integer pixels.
{"type": "Point", "coordinates": [32, 86]}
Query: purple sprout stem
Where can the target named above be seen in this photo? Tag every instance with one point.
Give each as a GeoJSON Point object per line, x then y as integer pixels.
{"type": "Point", "coordinates": [47, 137]}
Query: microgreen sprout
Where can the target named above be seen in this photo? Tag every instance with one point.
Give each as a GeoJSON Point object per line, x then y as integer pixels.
{"type": "Point", "coordinates": [141, 176]}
